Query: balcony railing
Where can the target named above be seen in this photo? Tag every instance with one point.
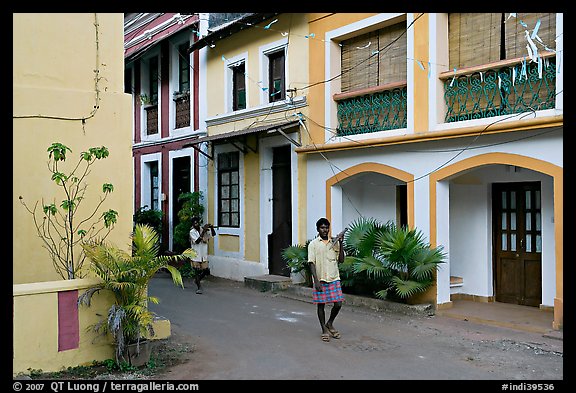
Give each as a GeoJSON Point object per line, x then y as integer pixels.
{"type": "Point", "coordinates": [370, 110]}
{"type": "Point", "coordinates": [500, 89]}
{"type": "Point", "coordinates": [151, 119]}
{"type": "Point", "coordinates": [182, 110]}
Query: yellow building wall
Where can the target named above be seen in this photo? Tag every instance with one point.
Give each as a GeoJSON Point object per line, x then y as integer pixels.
{"type": "Point", "coordinates": [55, 86]}
{"type": "Point", "coordinates": [320, 24]}
{"type": "Point", "coordinates": [248, 42]}
{"type": "Point", "coordinates": [420, 85]}
{"type": "Point", "coordinates": [37, 348]}
{"type": "Point", "coordinates": [252, 207]}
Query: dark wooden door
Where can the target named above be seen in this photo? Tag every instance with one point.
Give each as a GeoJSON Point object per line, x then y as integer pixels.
{"type": "Point", "coordinates": [281, 236]}
{"type": "Point", "coordinates": [180, 185]}
{"type": "Point", "coordinates": [518, 243]}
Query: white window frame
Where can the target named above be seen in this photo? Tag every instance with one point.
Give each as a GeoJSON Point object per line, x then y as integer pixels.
{"type": "Point", "coordinates": [188, 152]}
{"type": "Point", "coordinates": [229, 82]}
{"type": "Point", "coordinates": [174, 83]}
{"type": "Point", "coordinates": [145, 89]}
{"type": "Point", "coordinates": [145, 190]}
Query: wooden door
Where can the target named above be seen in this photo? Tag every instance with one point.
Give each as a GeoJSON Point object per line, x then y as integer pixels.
{"type": "Point", "coordinates": [281, 236]}
{"type": "Point", "coordinates": [517, 243]}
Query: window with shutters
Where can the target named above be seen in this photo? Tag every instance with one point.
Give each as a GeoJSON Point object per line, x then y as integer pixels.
{"type": "Point", "coordinates": [183, 68]}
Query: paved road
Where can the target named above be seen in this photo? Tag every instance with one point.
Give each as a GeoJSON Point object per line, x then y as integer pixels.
{"type": "Point", "coordinates": [239, 333]}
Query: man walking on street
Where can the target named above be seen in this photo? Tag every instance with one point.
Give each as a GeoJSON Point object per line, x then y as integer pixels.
{"type": "Point", "coordinates": [324, 256]}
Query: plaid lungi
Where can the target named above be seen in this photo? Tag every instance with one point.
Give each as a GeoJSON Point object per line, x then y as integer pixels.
{"type": "Point", "coordinates": [331, 293]}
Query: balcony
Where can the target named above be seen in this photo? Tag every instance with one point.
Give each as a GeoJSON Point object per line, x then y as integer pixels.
{"type": "Point", "coordinates": [370, 110]}
{"type": "Point", "coordinates": [500, 88]}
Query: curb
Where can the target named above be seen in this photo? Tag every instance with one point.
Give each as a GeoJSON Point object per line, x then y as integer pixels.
{"type": "Point", "coordinates": [298, 292]}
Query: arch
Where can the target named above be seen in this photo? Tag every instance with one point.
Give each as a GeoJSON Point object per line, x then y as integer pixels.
{"type": "Point", "coordinates": [376, 168]}
{"type": "Point", "coordinates": [534, 164]}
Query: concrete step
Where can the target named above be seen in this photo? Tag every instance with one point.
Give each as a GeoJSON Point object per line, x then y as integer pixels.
{"type": "Point", "coordinates": [268, 282]}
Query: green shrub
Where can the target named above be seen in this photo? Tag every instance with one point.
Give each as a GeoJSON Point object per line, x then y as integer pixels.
{"type": "Point", "coordinates": [191, 207]}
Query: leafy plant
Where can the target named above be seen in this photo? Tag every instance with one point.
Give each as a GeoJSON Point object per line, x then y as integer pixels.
{"type": "Point", "coordinates": [296, 257]}
{"type": "Point", "coordinates": [191, 207]}
{"type": "Point", "coordinates": [145, 99]}
{"type": "Point", "coordinates": [399, 259]}
{"type": "Point", "coordinates": [144, 215]}
{"type": "Point", "coordinates": [58, 227]}
{"type": "Point", "coordinates": [127, 276]}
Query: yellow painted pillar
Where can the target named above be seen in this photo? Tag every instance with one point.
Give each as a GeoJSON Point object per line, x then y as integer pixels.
{"type": "Point", "coordinates": [420, 85]}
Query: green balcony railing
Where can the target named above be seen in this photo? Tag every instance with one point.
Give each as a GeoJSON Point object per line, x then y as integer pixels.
{"type": "Point", "coordinates": [376, 109]}
{"type": "Point", "coordinates": [502, 89]}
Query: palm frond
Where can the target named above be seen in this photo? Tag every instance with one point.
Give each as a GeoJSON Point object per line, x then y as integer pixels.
{"type": "Point", "coordinates": [176, 275]}
{"type": "Point", "coordinates": [127, 276]}
{"type": "Point", "coordinates": [408, 288]}
{"type": "Point", "coordinates": [426, 262]}
{"type": "Point", "coordinates": [372, 266]}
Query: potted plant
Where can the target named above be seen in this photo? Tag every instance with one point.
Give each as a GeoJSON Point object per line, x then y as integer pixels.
{"type": "Point", "coordinates": [147, 100]}
{"type": "Point", "coordinates": [127, 275]}
{"type": "Point", "coordinates": [296, 257]}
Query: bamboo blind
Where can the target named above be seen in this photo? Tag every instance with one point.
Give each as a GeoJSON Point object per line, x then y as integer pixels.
{"type": "Point", "coordinates": [474, 38]}
{"type": "Point", "coordinates": [362, 68]}
{"type": "Point", "coordinates": [515, 38]}
{"type": "Point", "coordinates": [392, 59]}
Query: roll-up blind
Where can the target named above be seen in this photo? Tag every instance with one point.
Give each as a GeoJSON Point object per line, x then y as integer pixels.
{"type": "Point", "coordinates": [473, 38]}
{"type": "Point", "coordinates": [363, 68]}
{"type": "Point", "coordinates": [392, 59]}
{"type": "Point", "coordinates": [515, 36]}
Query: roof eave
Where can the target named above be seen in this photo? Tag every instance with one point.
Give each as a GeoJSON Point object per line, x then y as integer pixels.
{"type": "Point", "coordinates": [233, 28]}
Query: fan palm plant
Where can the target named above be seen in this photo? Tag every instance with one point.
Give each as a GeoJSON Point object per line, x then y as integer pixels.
{"type": "Point", "coordinates": [359, 245]}
{"type": "Point", "coordinates": [398, 259]}
{"type": "Point", "coordinates": [127, 276]}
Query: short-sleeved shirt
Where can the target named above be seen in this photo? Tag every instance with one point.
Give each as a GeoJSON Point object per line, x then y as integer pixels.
{"type": "Point", "coordinates": [200, 248]}
{"type": "Point", "coordinates": [325, 259]}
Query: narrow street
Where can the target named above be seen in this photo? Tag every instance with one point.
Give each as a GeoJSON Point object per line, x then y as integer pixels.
{"type": "Point", "coordinates": [238, 333]}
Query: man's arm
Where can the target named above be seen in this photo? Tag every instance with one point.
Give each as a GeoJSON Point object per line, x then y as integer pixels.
{"type": "Point", "coordinates": [317, 284]}
{"type": "Point", "coordinates": [311, 263]}
{"type": "Point", "coordinates": [340, 251]}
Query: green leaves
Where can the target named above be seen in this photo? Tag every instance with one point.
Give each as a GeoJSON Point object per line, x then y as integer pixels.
{"type": "Point", "coordinates": [110, 217]}
{"type": "Point", "coordinates": [59, 177]}
{"type": "Point", "coordinates": [398, 259]}
{"type": "Point", "coordinates": [57, 151]}
{"type": "Point", "coordinates": [50, 209]}
{"type": "Point", "coordinates": [127, 276]}
{"type": "Point", "coordinates": [58, 231]}
{"type": "Point", "coordinates": [95, 152]}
